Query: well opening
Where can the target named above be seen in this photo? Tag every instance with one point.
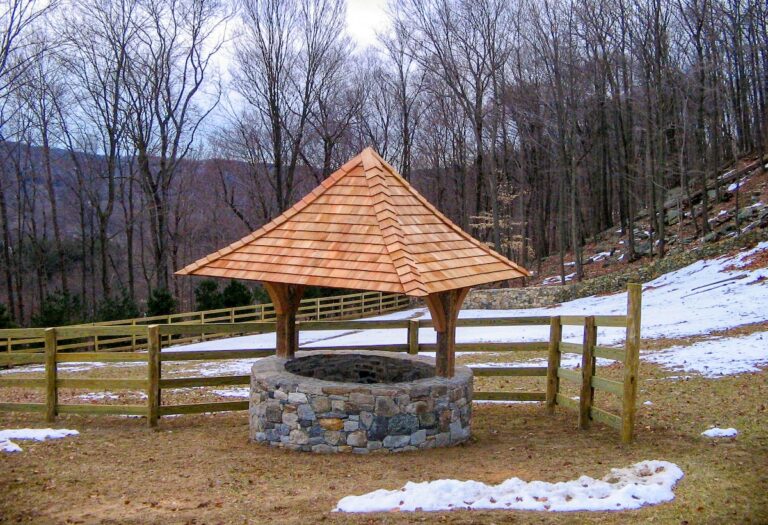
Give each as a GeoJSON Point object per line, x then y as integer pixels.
{"type": "Point", "coordinates": [360, 368]}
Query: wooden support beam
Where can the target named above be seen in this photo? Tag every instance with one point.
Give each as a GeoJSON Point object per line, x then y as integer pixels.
{"type": "Point", "coordinates": [445, 307]}
{"type": "Point", "coordinates": [553, 362]}
{"type": "Point", "coordinates": [153, 374]}
{"type": "Point", "coordinates": [631, 363]}
{"type": "Point", "coordinates": [286, 298]}
{"type": "Point", "coordinates": [51, 390]}
{"type": "Point", "coordinates": [587, 394]}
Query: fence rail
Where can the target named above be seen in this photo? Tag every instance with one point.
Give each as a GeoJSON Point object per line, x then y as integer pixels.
{"type": "Point", "coordinates": [112, 336]}
{"type": "Point", "coordinates": [157, 336]}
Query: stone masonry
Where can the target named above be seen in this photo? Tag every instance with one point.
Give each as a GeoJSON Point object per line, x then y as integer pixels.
{"type": "Point", "coordinates": [312, 414]}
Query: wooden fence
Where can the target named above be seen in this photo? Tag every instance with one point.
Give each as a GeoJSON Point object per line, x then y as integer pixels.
{"type": "Point", "coordinates": [154, 383]}
{"type": "Point", "coordinates": [333, 307]}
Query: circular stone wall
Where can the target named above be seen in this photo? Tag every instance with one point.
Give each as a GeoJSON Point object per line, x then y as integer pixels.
{"type": "Point", "coordinates": [347, 401]}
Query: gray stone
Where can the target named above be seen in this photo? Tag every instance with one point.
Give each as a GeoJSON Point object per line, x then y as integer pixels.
{"type": "Point", "coordinates": [280, 395]}
{"type": "Point", "coordinates": [374, 445]}
{"type": "Point", "coordinates": [385, 407]}
{"type": "Point", "coordinates": [306, 412]}
{"type": "Point", "coordinates": [357, 439]}
{"type": "Point", "coordinates": [323, 449]}
{"type": "Point", "coordinates": [299, 437]}
{"type": "Point", "coordinates": [351, 426]}
{"type": "Point", "coordinates": [396, 441]}
{"type": "Point", "coordinates": [403, 424]}
{"type": "Point", "coordinates": [361, 399]}
{"type": "Point", "coordinates": [458, 432]}
{"type": "Point", "coordinates": [366, 419]}
{"type": "Point", "coordinates": [291, 419]}
{"type": "Point", "coordinates": [297, 397]}
{"type": "Point", "coordinates": [360, 451]}
{"type": "Point", "coordinates": [321, 404]}
{"type": "Point", "coordinates": [333, 437]}
{"type": "Point", "coordinates": [427, 420]}
{"type": "Point", "coordinates": [274, 414]}
{"type": "Point", "coordinates": [418, 437]}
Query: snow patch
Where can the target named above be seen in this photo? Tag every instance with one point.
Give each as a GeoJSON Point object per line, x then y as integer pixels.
{"type": "Point", "coordinates": [644, 483]}
{"type": "Point", "coordinates": [715, 432]}
{"type": "Point", "coordinates": [233, 392]}
{"type": "Point", "coordinates": [722, 356]}
{"type": "Point", "coordinates": [98, 396]}
{"type": "Point", "coordinates": [35, 434]}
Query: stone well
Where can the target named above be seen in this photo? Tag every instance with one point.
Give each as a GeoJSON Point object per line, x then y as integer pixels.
{"type": "Point", "coordinates": [350, 401]}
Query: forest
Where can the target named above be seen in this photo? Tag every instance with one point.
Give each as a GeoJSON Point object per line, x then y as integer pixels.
{"type": "Point", "coordinates": [139, 135]}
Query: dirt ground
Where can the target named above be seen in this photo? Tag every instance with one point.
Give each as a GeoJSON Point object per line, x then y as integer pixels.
{"type": "Point", "coordinates": [202, 469]}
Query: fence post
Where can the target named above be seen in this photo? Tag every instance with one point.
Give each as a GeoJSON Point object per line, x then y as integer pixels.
{"type": "Point", "coordinates": [632, 362]}
{"type": "Point", "coordinates": [587, 371]}
{"type": "Point", "coordinates": [133, 336]}
{"type": "Point", "coordinates": [553, 363]}
{"type": "Point", "coordinates": [153, 374]}
{"type": "Point", "coordinates": [381, 302]}
{"type": "Point", "coordinates": [413, 336]}
{"type": "Point", "coordinates": [317, 309]}
{"type": "Point", "coordinates": [51, 390]}
{"type": "Point", "coordinates": [202, 323]}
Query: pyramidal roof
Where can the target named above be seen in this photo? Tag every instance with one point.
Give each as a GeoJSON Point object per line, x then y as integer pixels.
{"type": "Point", "coordinates": [363, 228]}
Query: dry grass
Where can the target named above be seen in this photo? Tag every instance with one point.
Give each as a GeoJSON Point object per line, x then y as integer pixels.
{"type": "Point", "coordinates": [201, 469]}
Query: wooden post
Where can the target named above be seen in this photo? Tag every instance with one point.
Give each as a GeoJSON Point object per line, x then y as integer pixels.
{"type": "Point", "coordinates": [51, 390]}
{"type": "Point", "coordinates": [444, 307]}
{"type": "Point", "coordinates": [286, 299]}
{"type": "Point", "coordinates": [133, 336]}
{"type": "Point", "coordinates": [153, 374]}
{"type": "Point", "coordinates": [587, 371]}
{"type": "Point", "coordinates": [381, 302]}
{"type": "Point", "coordinates": [413, 336]}
{"type": "Point", "coordinates": [553, 381]}
{"type": "Point", "coordinates": [202, 323]}
{"type": "Point", "coordinates": [632, 362]}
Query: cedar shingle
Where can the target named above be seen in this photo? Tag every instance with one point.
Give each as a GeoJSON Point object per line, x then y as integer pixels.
{"type": "Point", "coordinates": [364, 228]}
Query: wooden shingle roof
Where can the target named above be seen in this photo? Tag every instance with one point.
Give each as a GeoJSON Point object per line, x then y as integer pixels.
{"type": "Point", "coordinates": [363, 228]}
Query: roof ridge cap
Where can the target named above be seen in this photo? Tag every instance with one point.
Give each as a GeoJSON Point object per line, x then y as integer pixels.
{"type": "Point", "coordinates": [446, 220]}
{"type": "Point", "coordinates": [404, 263]}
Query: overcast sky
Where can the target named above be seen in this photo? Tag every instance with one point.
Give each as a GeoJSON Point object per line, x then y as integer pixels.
{"type": "Point", "coordinates": [364, 18]}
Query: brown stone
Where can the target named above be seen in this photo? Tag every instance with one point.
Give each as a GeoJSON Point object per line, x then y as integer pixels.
{"type": "Point", "coordinates": [331, 423]}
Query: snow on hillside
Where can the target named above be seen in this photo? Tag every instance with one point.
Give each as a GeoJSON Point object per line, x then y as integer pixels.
{"type": "Point", "coordinates": [702, 298]}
